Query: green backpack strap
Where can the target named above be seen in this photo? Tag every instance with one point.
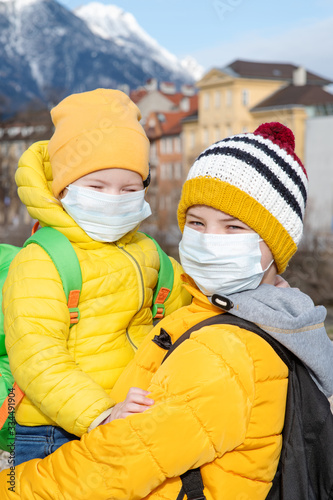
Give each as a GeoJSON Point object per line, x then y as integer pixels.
{"type": "Point", "coordinates": [63, 255]}
{"type": "Point", "coordinates": [164, 282]}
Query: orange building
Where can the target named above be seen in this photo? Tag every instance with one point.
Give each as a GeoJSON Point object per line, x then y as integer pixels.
{"type": "Point", "coordinates": [166, 163]}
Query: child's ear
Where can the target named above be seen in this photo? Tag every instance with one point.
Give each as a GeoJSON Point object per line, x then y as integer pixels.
{"type": "Point", "coordinates": [62, 194]}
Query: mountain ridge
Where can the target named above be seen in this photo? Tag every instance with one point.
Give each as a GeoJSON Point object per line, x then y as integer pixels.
{"type": "Point", "coordinates": [48, 52]}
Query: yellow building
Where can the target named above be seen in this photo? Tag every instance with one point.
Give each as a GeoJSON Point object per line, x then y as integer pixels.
{"type": "Point", "coordinates": [241, 96]}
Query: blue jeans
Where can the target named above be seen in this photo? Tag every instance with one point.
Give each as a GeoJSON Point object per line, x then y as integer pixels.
{"type": "Point", "coordinates": [38, 442]}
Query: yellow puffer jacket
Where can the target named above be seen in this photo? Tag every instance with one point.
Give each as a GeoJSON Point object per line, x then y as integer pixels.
{"type": "Point", "coordinates": [219, 405]}
{"type": "Point", "coordinates": [67, 374]}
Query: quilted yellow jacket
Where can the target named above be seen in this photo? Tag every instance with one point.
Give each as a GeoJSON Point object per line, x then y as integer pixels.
{"type": "Point", "coordinates": [67, 374]}
{"type": "Point", "coordinates": [219, 404]}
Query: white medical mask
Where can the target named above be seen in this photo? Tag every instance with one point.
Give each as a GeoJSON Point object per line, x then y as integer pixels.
{"type": "Point", "coordinates": [105, 217]}
{"type": "Point", "coordinates": [222, 263]}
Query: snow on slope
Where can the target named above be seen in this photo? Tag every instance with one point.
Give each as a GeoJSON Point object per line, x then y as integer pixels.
{"type": "Point", "coordinates": [48, 52]}
{"type": "Point", "coordinates": [113, 23]}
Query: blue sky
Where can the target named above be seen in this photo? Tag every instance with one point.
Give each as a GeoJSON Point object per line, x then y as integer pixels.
{"type": "Point", "coordinates": [216, 32]}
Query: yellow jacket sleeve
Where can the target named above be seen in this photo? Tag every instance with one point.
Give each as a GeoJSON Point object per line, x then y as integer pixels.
{"type": "Point", "coordinates": [189, 425]}
{"type": "Point", "coordinates": [37, 329]}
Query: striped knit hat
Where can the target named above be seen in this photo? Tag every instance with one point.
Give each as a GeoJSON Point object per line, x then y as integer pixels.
{"type": "Point", "coordinates": [258, 179]}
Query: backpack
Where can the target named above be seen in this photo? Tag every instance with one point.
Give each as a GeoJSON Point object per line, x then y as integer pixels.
{"type": "Point", "coordinates": [305, 469]}
{"type": "Point", "coordinates": [63, 255]}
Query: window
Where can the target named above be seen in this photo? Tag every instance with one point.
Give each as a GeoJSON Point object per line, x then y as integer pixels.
{"type": "Point", "coordinates": [4, 149]}
{"type": "Point", "coordinates": [217, 99]}
{"type": "Point", "coordinates": [19, 148]}
{"type": "Point", "coordinates": [245, 97]}
{"type": "Point", "coordinates": [153, 151]}
{"type": "Point", "coordinates": [169, 145]}
{"type": "Point", "coordinates": [217, 134]}
{"type": "Point", "coordinates": [192, 140]}
{"type": "Point", "coordinates": [177, 170]}
{"type": "Point", "coordinates": [151, 122]}
{"type": "Point", "coordinates": [228, 97]}
{"type": "Point", "coordinates": [205, 136]}
{"type": "Point", "coordinates": [169, 171]}
{"type": "Point", "coordinates": [185, 104]}
{"type": "Point", "coordinates": [206, 100]}
{"type": "Point", "coordinates": [152, 173]}
{"type": "Point", "coordinates": [166, 171]}
{"type": "Point", "coordinates": [228, 130]}
{"type": "Point", "coordinates": [177, 145]}
{"type": "Point", "coordinates": [162, 146]}
{"type": "Point", "coordinates": [162, 171]}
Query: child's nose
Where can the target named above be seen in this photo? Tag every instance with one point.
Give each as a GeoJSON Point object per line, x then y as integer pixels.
{"type": "Point", "coordinates": [112, 190]}
{"type": "Point", "coordinates": [213, 229]}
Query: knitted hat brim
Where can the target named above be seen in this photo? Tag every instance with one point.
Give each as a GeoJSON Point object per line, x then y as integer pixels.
{"type": "Point", "coordinates": [82, 155]}
{"type": "Point", "coordinates": [231, 200]}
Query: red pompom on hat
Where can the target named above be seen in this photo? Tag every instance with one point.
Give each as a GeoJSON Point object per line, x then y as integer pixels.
{"type": "Point", "coordinates": [279, 134]}
{"type": "Point", "coordinates": [282, 136]}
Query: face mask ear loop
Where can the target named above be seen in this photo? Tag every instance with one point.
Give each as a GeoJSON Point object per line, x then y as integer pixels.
{"type": "Point", "coordinates": [269, 265]}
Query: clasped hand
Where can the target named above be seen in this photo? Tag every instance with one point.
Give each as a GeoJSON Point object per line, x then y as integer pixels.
{"type": "Point", "coordinates": [136, 402]}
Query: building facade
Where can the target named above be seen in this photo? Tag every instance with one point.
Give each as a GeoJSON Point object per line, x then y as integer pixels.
{"type": "Point", "coordinates": [241, 96]}
{"type": "Point", "coordinates": [16, 135]}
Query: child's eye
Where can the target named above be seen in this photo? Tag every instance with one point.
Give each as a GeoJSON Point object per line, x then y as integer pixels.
{"type": "Point", "coordinates": [233, 227]}
{"type": "Point", "coordinates": [194, 223]}
{"type": "Point", "coordinates": [131, 189]}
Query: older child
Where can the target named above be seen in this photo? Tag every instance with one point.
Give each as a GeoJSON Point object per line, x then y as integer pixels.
{"type": "Point", "coordinates": [220, 396]}
{"type": "Point", "coordinates": [97, 165]}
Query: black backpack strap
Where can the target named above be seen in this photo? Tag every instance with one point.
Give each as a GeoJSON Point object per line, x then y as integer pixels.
{"type": "Point", "coordinates": [192, 484]}
{"type": "Point", "coordinates": [230, 319]}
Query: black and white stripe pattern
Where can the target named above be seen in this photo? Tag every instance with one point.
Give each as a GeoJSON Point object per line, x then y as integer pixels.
{"type": "Point", "coordinates": [264, 171]}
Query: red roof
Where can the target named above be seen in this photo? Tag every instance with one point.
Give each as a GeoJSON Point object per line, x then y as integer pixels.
{"type": "Point", "coordinates": [172, 124]}
{"type": "Point", "coordinates": [138, 94]}
{"type": "Point", "coordinates": [178, 97]}
{"type": "Point", "coordinates": [165, 123]}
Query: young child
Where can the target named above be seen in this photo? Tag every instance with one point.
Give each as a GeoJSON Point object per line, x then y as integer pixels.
{"type": "Point", "coordinates": [220, 396]}
{"type": "Point", "coordinates": [89, 183]}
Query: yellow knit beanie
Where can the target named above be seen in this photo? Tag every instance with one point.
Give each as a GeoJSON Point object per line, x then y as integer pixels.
{"type": "Point", "coordinates": [94, 131]}
{"type": "Point", "coordinates": [258, 179]}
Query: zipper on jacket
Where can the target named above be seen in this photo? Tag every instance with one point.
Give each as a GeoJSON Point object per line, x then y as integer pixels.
{"type": "Point", "coordinates": [141, 282]}
{"type": "Point", "coordinates": [135, 347]}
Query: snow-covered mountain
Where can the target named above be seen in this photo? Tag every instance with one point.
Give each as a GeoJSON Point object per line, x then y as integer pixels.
{"type": "Point", "coordinates": [113, 23]}
{"type": "Point", "coordinates": [48, 52]}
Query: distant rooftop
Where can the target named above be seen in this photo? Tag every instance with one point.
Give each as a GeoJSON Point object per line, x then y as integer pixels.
{"type": "Point", "coordinates": [305, 95]}
{"type": "Point", "coordinates": [164, 124]}
{"type": "Point", "coordinates": [191, 118]}
{"type": "Point", "coordinates": [274, 71]}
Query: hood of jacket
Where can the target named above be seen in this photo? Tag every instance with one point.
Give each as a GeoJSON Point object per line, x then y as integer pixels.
{"type": "Point", "coordinates": [291, 317]}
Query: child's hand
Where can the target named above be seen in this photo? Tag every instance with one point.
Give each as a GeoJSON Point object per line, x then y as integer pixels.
{"type": "Point", "coordinates": [136, 402]}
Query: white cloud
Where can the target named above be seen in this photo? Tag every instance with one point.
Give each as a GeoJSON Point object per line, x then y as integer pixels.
{"type": "Point", "coordinates": [309, 45]}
